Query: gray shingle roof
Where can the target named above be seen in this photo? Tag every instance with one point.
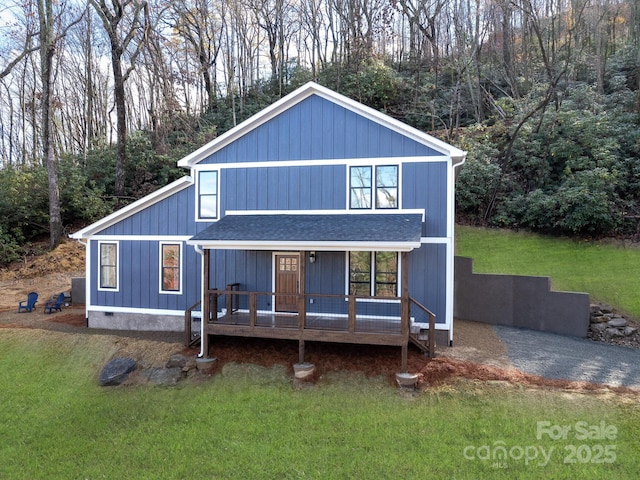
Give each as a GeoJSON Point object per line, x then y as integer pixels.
{"type": "Point", "coordinates": [338, 228]}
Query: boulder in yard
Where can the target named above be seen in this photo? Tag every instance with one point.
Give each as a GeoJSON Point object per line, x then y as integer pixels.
{"type": "Point", "coordinates": [116, 371]}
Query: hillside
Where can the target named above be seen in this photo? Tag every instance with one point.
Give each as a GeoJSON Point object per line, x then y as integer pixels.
{"type": "Point", "coordinates": [46, 274]}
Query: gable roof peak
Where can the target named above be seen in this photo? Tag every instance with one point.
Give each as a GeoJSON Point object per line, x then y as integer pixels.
{"type": "Point", "coordinates": [302, 93]}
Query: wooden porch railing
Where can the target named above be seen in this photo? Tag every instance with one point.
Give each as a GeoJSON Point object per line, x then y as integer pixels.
{"type": "Point", "coordinates": [339, 318]}
{"type": "Point", "coordinates": [432, 325]}
{"type": "Point", "coordinates": [339, 305]}
{"type": "Point", "coordinates": [189, 339]}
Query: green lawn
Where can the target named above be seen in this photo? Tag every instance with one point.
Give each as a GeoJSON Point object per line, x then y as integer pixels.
{"type": "Point", "coordinates": [251, 423]}
{"type": "Point", "coordinates": [608, 272]}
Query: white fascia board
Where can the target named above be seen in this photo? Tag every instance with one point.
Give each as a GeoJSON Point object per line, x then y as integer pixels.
{"type": "Point", "coordinates": [304, 92]}
{"type": "Point", "coordinates": [133, 208]}
{"type": "Point", "coordinates": [389, 211]}
{"type": "Point", "coordinates": [307, 246]}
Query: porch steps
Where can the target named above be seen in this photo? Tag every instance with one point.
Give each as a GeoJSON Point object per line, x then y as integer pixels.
{"type": "Point", "coordinates": [421, 340]}
{"type": "Point", "coordinates": [419, 336]}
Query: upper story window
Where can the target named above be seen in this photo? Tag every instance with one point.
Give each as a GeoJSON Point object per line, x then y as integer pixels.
{"type": "Point", "coordinates": [208, 195]}
{"type": "Point", "coordinates": [373, 187]}
{"type": "Point", "coordinates": [170, 267]}
{"type": "Point", "coordinates": [108, 269]}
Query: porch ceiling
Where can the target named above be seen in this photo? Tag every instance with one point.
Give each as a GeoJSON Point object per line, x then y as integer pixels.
{"type": "Point", "coordinates": [391, 231]}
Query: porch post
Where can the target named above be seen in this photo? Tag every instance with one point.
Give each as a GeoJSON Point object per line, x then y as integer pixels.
{"type": "Point", "coordinates": [302, 299]}
{"type": "Point", "coordinates": [405, 310]}
{"type": "Point", "coordinates": [206, 303]}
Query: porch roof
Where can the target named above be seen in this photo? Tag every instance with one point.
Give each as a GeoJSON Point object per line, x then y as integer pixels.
{"type": "Point", "coordinates": [338, 232]}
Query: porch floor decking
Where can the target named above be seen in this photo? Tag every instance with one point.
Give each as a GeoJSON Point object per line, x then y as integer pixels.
{"type": "Point", "coordinates": [316, 328]}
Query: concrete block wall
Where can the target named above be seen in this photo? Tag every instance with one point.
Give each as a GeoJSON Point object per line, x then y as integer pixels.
{"type": "Point", "coordinates": [518, 301]}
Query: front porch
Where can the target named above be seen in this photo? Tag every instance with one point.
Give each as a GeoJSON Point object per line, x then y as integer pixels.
{"type": "Point", "coordinates": [395, 321]}
{"type": "Point", "coordinates": [297, 256]}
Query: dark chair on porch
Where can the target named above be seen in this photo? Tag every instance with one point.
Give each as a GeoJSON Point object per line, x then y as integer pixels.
{"type": "Point", "coordinates": [29, 304]}
{"type": "Point", "coordinates": [54, 305]}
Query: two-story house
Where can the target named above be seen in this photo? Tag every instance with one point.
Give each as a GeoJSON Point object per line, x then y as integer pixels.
{"type": "Point", "coordinates": [317, 219]}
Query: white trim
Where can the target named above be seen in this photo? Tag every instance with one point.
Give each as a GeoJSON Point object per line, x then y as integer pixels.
{"type": "Point", "coordinates": [198, 218]}
{"type": "Point", "coordinates": [134, 207]}
{"type": "Point", "coordinates": [87, 278]}
{"type": "Point", "coordinates": [151, 238]}
{"type": "Point", "coordinates": [274, 269]}
{"type": "Point", "coordinates": [161, 291]}
{"type": "Point", "coordinates": [451, 246]}
{"type": "Point", "coordinates": [386, 211]}
{"type": "Point", "coordinates": [141, 311]}
{"type": "Point", "coordinates": [321, 162]}
{"type": "Point", "coordinates": [433, 240]}
{"type": "Point", "coordinates": [99, 265]}
{"type": "Point", "coordinates": [322, 246]}
{"type": "Point", "coordinates": [298, 96]}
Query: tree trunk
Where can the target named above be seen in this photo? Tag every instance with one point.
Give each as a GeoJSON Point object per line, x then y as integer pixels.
{"type": "Point", "coordinates": [47, 51]}
{"type": "Point", "coordinates": [121, 122]}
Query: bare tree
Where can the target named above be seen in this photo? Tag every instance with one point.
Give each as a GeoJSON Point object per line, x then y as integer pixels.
{"type": "Point", "coordinates": [200, 25]}
{"type": "Point", "coordinates": [50, 35]}
{"type": "Point", "coordinates": [125, 22]}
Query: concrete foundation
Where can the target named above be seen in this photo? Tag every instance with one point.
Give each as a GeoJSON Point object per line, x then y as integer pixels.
{"type": "Point", "coordinates": [135, 321]}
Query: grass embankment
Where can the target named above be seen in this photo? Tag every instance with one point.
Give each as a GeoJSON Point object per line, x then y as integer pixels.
{"type": "Point", "coordinates": [609, 272]}
{"type": "Point", "coordinates": [249, 422]}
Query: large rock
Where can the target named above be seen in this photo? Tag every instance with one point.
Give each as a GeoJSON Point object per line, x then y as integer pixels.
{"type": "Point", "coordinates": [164, 376]}
{"type": "Point", "coordinates": [617, 322]}
{"type": "Point", "coordinates": [116, 371]}
{"type": "Point", "coordinates": [181, 361]}
{"type": "Point", "coordinates": [613, 333]}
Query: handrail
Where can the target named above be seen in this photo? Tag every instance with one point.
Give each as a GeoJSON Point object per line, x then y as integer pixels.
{"type": "Point", "coordinates": [188, 342]}
{"type": "Point", "coordinates": [432, 326]}
{"type": "Point", "coordinates": [314, 295]}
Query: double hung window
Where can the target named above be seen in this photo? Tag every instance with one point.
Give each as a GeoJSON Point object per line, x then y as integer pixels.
{"type": "Point", "coordinates": [373, 187]}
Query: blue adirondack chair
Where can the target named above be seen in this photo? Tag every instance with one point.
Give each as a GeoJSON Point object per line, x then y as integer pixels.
{"type": "Point", "coordinates": [29, 304]}
{"type": "Point", "coordinates": [56, 304]}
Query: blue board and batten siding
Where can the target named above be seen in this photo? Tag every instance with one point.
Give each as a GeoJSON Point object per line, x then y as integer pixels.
{"type": "Point", "coordinates": [317, 129]}
{"type": "Point", "coordinates": [171, 219]}
{"type": "Point", "coordinates": [174, 215]}
{"type": "Point", "coordinates": [284, 188]}
{"type": "Point", "coordinates": [139, 278]}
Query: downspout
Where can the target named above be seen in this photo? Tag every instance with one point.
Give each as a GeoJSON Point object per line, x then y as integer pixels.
{"type": "Point", "coordinates": [460, 162]}
{"type": "Point", "coordinates": [87, 270]}
{"type": "Point", "coordinates": [200, 252]}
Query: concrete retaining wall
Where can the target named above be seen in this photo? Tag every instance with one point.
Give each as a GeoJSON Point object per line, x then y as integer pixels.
{"type": "Point", "coordinates": [518, 301]}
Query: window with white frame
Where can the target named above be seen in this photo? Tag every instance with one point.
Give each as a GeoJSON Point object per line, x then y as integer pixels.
{"type": "Point", "coordinates": [373, 274]}
{"type": "Point", "coordinates": [208, 195]}
{"type": "Point", "coordinates": [108, 266]}
{"type": "Point", "coordinates": [373, 187]}
{"type": "Point", "coordinates": [170, 267]}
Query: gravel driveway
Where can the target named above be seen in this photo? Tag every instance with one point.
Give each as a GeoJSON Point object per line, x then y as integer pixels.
{"type": "Point", "coordinates": [557, 356]}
